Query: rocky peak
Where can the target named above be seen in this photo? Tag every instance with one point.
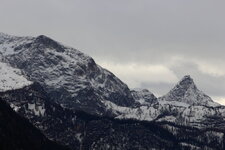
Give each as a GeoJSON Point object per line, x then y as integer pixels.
{"type": "Point", "coordinates": [187, 92]}
{"type": "Point", "coordinates": [143, 96]}
{"type": "Point", "coordinates": [186, 81]}
{"type": "Point", "coordinates": [185, 84]}
{"type": "Point", "coordinates": [43, 40]}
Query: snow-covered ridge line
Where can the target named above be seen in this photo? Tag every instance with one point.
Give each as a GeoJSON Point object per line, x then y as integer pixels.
{"type": "Point", "coordinates": [75, 81]}
{"type": "Point", "coordinates": [11, 78]}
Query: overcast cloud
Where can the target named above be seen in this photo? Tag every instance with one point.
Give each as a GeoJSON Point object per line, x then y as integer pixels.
{"type": "Point", "coordinates": [147, 43]}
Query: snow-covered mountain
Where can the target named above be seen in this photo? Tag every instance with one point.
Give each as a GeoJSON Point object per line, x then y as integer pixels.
{"type": "Point", "coordinates": [49, 84]}
{"type": "Point", "coordinates": [187, 92]}
{"type": "Point", "coordinates": [75, 81]}
{"type": "Point", "coordinates": [81, 131]}
{"type": "Point", "coordinates": [183, 105]}
{"type": "Point", "coordinates": [72, 78]}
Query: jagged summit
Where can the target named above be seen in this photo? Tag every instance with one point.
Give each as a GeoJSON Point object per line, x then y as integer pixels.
{"type": "Point", "coordinates": [187, 78]}
{"type": "Point", "coordinates": [183, 86]}
{"type": "Point", "coordinates": [43, 40]}
{"type": "Point", "coordinates": [187, 92]}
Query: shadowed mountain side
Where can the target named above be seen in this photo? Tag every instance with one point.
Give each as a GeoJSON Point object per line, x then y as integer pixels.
{"type": "Point", "coordinates": [16, 133]}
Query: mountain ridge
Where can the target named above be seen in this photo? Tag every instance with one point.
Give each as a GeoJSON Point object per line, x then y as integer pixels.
{"type": "Point", "coordinates": [80, 130]}
{"type": "Point", "coordinates": [65, 81]}
{"type": "Point", "coordinates": [75, 81]}
{"type": "Point", "coordinates": [42, 60]}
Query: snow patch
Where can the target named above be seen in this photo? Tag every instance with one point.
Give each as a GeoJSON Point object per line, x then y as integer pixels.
{"type": "Point", "coordinates": [11, 78]}
{"type": "Point", "coordinates": [37, 110]}
{"type": "Point", "coordinates": [79, 137]}
{"type": "Point", "coordinates": [14, 107]}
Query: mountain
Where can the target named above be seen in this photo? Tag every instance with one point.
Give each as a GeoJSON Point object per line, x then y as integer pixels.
{"type": "Point", "coordinates": [75, 102]}
{"type": "Point", "coordinates": [187, 105]}
{"type": "Point", "coordinates": [33, 103]}
{"type": "Point", "coordinates": [143, 97]}
{"type": "Point", "coordinates": [16, 133]}
{"type": "Point", "coordinates": [72, 78]}
{"type": "Point", "coordinates": [183, 105]}
{"type": "Point", "coordinates": [187, 92]}
{"type": "Point", "coordinates": [82, 131]}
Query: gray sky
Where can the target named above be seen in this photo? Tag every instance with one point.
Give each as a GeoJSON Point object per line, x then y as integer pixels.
{"type": "Point", "coordinates": [147, 43]}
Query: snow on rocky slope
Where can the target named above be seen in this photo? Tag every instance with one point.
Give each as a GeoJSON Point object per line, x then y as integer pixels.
{"type": "Point", "coordinates": [183, 105]}
{"type": "Point", "coordinates": [11, 78]}
{"type": "Point", "coordinates": [143, 97]}
{"type": "Point", "coordinates": [187, 92]}
{"type": "Point", "coordinates": [82, 131]}
{"type": "Point", "coordinates": [75, 81]}
{"type": "Point", "coordinates": [72, 78]}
